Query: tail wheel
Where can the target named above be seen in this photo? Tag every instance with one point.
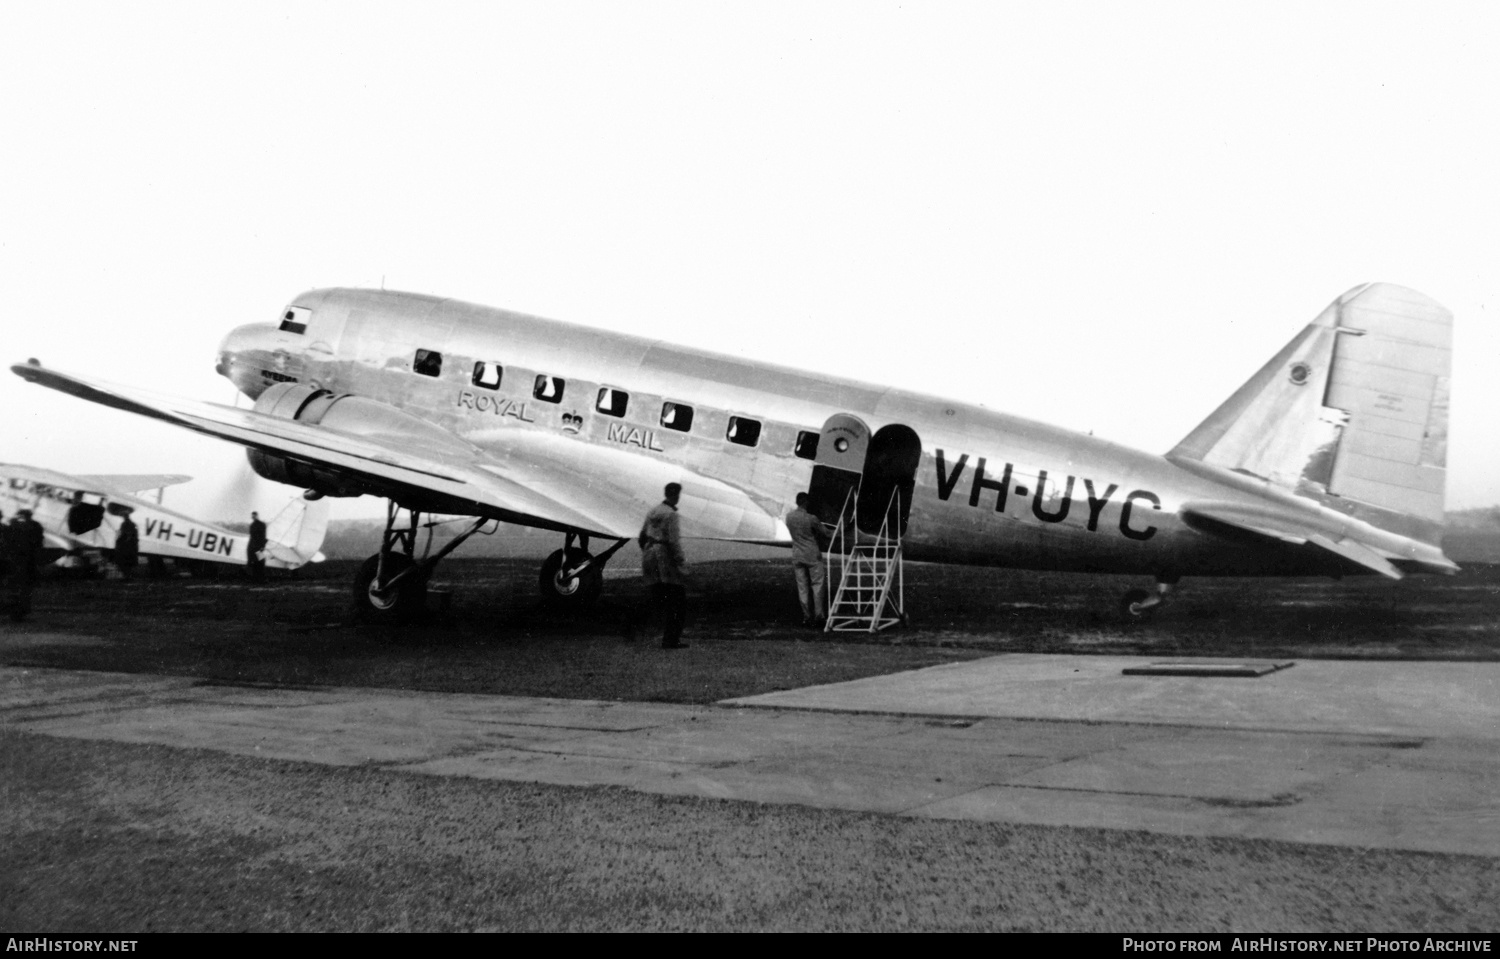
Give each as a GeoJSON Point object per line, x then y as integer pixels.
{"type": "Point", "coordinates": [562, 590]}
{"type": "Point", "coordinates": [1138, 605]}
{"type": "Point", "coordinates": [400, 604]}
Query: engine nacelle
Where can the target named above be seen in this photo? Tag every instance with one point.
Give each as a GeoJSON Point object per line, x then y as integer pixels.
{"type": "Point", "coordinates": [357, 416]}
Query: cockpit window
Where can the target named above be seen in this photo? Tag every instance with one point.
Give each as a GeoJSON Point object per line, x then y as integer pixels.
{"type": "Point", "coordinates": [294, 320]}
{"type": "Point", "coordinates": [428, 363]}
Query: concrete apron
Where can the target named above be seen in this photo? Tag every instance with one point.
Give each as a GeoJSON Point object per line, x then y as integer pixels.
{"type": "Point", "coordinates": [1389, 755]}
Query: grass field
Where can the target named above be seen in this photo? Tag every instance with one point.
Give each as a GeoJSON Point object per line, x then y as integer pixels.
{"type": "Point", "coordinates": [109, 837]}
{"type": "Point", "coordinates": [496, 637]}
{"type": "Point", "coordinates": [114, 837]}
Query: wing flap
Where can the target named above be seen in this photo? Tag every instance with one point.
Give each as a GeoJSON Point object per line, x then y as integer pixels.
{"type": "Point", "coordinates": [625, 485]}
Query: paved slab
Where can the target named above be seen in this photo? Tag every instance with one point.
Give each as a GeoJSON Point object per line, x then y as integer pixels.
{"type": "Point", "coordinates": [1348, 754]}
{"type": "Point", "coordinates": [1396, 698]}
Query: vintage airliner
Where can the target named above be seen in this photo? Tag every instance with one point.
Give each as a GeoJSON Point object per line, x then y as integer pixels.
{"type": "Point", "coordinates": [1328, 461]}
{"type": "Point", "coordinates": [82, 515]}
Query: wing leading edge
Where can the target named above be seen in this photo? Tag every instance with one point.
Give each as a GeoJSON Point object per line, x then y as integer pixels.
{"type": "Point", "coordinates": [528, 478]}
{"type": "Point", "coordinates": [133, 482]}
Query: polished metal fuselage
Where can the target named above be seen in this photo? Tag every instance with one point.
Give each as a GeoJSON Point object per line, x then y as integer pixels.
{"type": "Point", "coordinates": [990, 489]}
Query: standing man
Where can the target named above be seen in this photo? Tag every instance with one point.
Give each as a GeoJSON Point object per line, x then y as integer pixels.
{"type": "Point", "coordinates": [23, 550]}
{"type": "Point", "coordinates": [256, 545]}
{"type": "Point", "coordinates": [661, 567]}
{"type": "Point", "coordinates": [809, 539]}
{"type": "Point", "coordinates": [127, 546]}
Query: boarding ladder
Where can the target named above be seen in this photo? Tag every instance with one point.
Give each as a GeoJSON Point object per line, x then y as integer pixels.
{"type": "Point", "coordinates": [871, 589]}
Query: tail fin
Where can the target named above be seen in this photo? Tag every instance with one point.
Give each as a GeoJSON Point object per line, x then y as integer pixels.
{"type": "Point", "coordinates": [295, 536]}
{"type": "Point", "coordinates": [1353, 412]}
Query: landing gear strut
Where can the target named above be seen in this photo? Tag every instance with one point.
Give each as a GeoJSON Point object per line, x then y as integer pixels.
{"type": "Point", "coordinates": [1139, 605]}
{"type": "Point", "coordinates": [571, 577]}
{"type": "Point", "coordinates": [391, 586]}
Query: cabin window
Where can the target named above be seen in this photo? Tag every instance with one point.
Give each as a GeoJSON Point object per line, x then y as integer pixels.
{"type": "Point", "coordinates": [428, 363]}
{"type": "Point", "coordinates": [294, 320]}
{"type": "Point", "coordinates": [612, 402]}
{"type": "Point", "coordinates": [548, 389]}
{"type": "Point", "coordinates": [743, 431]}
{"type": "Point", "coordinates": [677, 416]}
{"type": "Point", "coordinates": [807, 445]}
{"type": "Point", "coordinates": [487, 375]}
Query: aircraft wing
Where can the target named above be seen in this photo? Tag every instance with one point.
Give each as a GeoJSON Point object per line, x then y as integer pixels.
{"type": "Point", "coordinates": [519, 476]}
{"type": "Point", "coordinates": [1237, 522]}
{"type": "Point", "coordinates": [132, 482]}
{"type": "Point", "coordinates": [602, 480]}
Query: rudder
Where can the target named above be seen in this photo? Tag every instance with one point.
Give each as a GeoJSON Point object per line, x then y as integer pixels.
{"type": "Point", "coordinates": [295, 536]}
{"type": "Point", "coordinates": [1352, 413]}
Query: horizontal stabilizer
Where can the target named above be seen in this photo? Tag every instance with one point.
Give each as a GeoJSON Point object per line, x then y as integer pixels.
{"type": "Point", "coordinates": [1359, 553]}
{"type": "Point", "coordinates": [54, 541]}
{"type": "Point", "coordinates": [1234, 522]}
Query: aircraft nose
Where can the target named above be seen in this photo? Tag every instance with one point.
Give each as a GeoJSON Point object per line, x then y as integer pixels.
{"type": "Point", "coordinates": [242, 355]}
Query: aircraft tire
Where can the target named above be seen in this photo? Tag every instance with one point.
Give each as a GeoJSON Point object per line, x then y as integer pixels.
{"type": "Point", "coordinates": [404, 605]}
{"type": "Point", "coordinates": [1133, 606]}
{"type": "Point", "coordinates": [581, 590]}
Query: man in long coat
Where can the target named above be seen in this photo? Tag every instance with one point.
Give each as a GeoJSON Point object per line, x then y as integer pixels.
{"type": "Point", "coordinates": [127, 546]}
{"type": "Point", "coordinates": [23, 550]}
{"type": "Point", "coordinates": [661, 567]}
{"type": "Point", "coordinates": [809, 539]}
{"type": "Point", "coordinates": [253, 549]}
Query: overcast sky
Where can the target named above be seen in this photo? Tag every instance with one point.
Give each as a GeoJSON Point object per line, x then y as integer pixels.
{"type": "Point", "coordinates": [1102, 215]}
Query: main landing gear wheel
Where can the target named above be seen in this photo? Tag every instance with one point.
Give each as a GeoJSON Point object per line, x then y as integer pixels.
{"type": "Point", "coordinates": [569, 591]}
{"type": "Point", "coordinates": [399, 604]}
{"type": "Point", "coordinates": [1139, 605]}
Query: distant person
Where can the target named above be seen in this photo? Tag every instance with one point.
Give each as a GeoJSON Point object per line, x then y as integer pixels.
{"type": "Point", "coordinates": [127, 546]}
{"type": "Point", "coordinates": [256, 549]}
{"type": "Point", "coordinates": [809, 539]}
{"type": "Point", "coordinates": [661, 567]}
{"type": "Point", "coordinates": [23, 550]}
